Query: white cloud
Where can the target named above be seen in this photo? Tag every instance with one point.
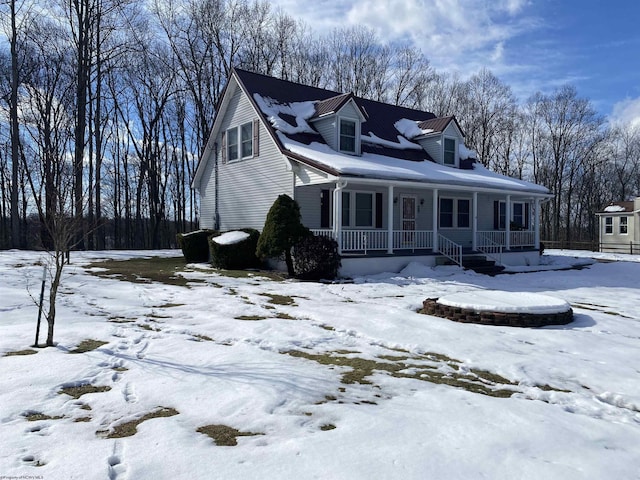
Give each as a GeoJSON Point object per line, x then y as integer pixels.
{"type": "Point", "coordinates": [627, 112]}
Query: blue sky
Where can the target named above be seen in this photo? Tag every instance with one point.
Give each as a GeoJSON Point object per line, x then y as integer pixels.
{"type": "Point", "coordinates": [532, 45]}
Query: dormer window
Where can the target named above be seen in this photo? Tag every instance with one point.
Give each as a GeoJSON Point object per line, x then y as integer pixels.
{"type": "Point", "coordinates": [347, 135]}
{"type": "Point", "coordinates": [449, 151]}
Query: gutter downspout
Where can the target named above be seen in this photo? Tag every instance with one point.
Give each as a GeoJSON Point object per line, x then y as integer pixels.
{"type": "Point", "coordinates": [337, 212]}
{"type": "Point", "coordinates": [216, 214]}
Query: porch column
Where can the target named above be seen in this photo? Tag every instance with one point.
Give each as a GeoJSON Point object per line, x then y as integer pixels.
{"type": "Point", "coordinates": [436, 247]}
{"type": "Point", "coordinates": [474, 240]}
{"type": "Point", "coordinates": [507, 223]}
{"type": "Point", "coordinates": [390, 219]}
{"type": "Point", "coordinates": [337, 213]}
{"type": "Point", "coordinates": [536, 224]}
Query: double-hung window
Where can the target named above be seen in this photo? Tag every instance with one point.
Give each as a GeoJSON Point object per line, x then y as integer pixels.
{"type": "Point", "coordinates": [623, 225]}
{"type": "Point", "coordinates": [358, 209]}
{"type": "Point", "coordinates": [455, 213]}
{"type": "Point", "coordinates": [449, 151]}
{"type": "Point", "coordinates": [240, 142]}
{"type": "Point", "coordinates": [608, 225]}
{"type": "Point", "coordinates": [518, 215]}
{"type": "Point", "coordinates": [347, 135]}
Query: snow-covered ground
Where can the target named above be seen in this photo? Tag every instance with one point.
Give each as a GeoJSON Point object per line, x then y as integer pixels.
{"type": "Point", "coordinates": [269, 357]}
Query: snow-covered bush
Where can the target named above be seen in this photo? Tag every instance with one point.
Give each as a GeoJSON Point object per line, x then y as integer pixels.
{"type": "Point", "coordinates": [316, 258]}
{"type": "Point", "coordinates": [235, 250]}
{"type": "Point", "coordinates": [194, 245]}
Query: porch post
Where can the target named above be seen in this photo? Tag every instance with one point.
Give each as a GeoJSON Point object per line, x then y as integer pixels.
{"type": "Point", "coordinates": [507, 224]}
{"type": "Point", "coordinates": [436, 247]}
{"type": "Point", "coordinates": [390, 220]}
{"type": "Point", "coordinates": [337, 213]}
{"type": "Point", "coordinates": [536, 225]}
{"type": "Point", "coordinates": [474, 240]}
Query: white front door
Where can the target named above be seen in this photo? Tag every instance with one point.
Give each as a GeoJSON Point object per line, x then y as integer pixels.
{"type": "Point", "coordinates": [408, 219]}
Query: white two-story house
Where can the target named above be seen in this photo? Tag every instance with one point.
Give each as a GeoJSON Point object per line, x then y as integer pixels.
{"type": "Point", "coordinates": [390, 184]}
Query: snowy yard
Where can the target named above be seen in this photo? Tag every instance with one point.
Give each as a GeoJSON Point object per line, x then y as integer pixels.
{"type": "Point", "coordinates": [341, 381]}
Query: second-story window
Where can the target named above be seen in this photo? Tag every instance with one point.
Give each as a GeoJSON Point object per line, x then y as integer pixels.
{"type": "Point", "coordinates": [232, 144]}
{"type": "Point", "coordinates": [449, 151]}
{"type": "Point", "coordinates": [347, 136]}
{"type": "Point", "coordinates": [246, 139]}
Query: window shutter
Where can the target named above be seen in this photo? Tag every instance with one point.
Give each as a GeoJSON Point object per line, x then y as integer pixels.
{"type": "Point", "coordinates": [224, 147]}
{"type": "Point", "coordinates": [496, 215]}
{"type": "Point", "coordinates": [378, 210]}
{"type": "Point", "coordinates": [256, 138]}
{"type": "Point", "coordinates": [325, 210]}
{"type": "Point", "coordinates": [526, 216]}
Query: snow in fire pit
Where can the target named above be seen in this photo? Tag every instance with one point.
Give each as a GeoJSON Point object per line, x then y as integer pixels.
{"type": "Point", "coordinates": [505, 302]}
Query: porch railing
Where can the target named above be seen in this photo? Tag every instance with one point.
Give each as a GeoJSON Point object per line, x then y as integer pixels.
{"type": "Point", "coordinates": [450, 249]}
{"type": "Point", "coordinates": [375, 240]}
{"type": "Point", "coordinates": [490, 248]}
{"type": "Point", "coordinates": [523, 238]}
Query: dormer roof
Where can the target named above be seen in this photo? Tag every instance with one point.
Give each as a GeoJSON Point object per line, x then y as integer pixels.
{"type": "Point", "coordinates": [439, 124]}
{"type": "Point", "coordinates": [334, 104]}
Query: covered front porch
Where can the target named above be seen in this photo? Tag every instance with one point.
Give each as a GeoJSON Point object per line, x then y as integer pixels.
{"type": "Point", "coordinates": [409, 219]}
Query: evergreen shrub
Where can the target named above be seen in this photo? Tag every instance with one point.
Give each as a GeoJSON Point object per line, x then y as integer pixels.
{"type": "Point", "coordinates": [316, 258]}
{"type": "Point", "coordinates": [235, 256]}
{"type": "Point", "coordinates": [194, 245]}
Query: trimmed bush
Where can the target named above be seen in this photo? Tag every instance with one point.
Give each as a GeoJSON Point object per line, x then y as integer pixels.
{"type": "Point", "coordinates": [194, 245]}
{"type": "Point", "coordinates": [282, 230]}
{"type": "Point", "coordinates": [238, 255]}
{"type": "Point", "coordinates": [316, 258]}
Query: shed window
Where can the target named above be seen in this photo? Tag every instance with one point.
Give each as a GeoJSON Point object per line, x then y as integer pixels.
{"type": "Point", "coordinates": [608, 225]}
{"type": "Point", "coordinates": [623, 225]}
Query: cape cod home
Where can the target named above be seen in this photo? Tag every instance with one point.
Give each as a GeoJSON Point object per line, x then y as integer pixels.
{"type": "Point", "coordinates": [620, 227]}
{"type": "Point", "coordinates": [392, 185]}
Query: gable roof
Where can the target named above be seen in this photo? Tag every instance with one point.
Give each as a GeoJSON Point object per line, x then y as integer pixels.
{"type": "Point", "coordinates": [618, 207]}
{"type": "Point", "coordinates": [439, 125]}
{"type": "Point", "coordinates": [389, 152]}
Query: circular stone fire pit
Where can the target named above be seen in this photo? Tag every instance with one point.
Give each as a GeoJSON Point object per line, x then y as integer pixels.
{"type": "Point", "coordinates": [491, 307]}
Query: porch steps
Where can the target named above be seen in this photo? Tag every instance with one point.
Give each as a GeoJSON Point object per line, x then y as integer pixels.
{"type": "Point", "coordinates": [477, 263]}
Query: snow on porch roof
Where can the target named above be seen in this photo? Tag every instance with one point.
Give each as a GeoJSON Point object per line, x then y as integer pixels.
{"type": "Point", "coordinates": [373, 166]}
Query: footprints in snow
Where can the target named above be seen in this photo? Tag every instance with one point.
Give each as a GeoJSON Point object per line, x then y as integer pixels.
{"type": "Point", "coordinates": [115, 463]}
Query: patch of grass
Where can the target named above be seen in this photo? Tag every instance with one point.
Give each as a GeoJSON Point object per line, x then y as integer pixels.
{"type": "Point", "coordinates": [88, 345]}
{"type": "Point", "coordinates": [225, 436]}
{"type": "Point", "coordinates": [358, 370]}
{"type": "Point", "coordinates": [327, 426]}
{"type": "Point", "coordinates": [328, 327]}
{"type": "Point", "coordinates": [145, 270]}
{"type": "Point", "coordinates": [78, 390]}
{"type": "Point", "coordinates": [128, 429]}
{"type": "Point", "coordinates": [120, 369]}
{"type": "Point", "coordinates": [200, 338]}
{"type": "Point", "coordinates": [285, 316]}
{"type": "Point", "coordinates": [279, 299]}
{"type": "Point", "coordinates": [121, 320]}
{"type": "Point", "coordinates": [251, 317]}
{"type": "Point", "coordinates": [148, 327]}
{"type": "Point", "coordinates": [170, 305]}
{"type": "Point", "coordinates": [266, 274]}
{"type": "Point", "coordinates": [37, 416]}
{"type": "Point", "coordinates": [82, 419]}
{"type": "Point", "coordinates": [17, 353]}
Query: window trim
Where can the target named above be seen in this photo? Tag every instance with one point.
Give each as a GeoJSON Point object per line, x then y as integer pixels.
{"type": "Point", "coordinates": [444, 151]}
{"type": "Point", "coordinates": [608, 225]}
{"type": "Point", "coordinates": [455, 213]}
{"type": "Point", "coordinates": [236, 134]}
{"type": "Point", "coordinates": [626, 225]}
{"type": "Point", "coordinates": [351, 209]}
{"type": "Point", "coordinates": [356, 137]}
{"type": "Point", "coordinates": [502, 214]}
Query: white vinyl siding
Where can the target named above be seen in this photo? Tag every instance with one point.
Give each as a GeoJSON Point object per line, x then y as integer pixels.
{"type": "Point", "coordinates": [248, 188]}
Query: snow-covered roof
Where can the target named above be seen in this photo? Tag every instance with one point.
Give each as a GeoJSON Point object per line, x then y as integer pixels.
{"type": "Point", "coordinates": [389, 150]}
{"type": "Point", "coordinates": [614, 208]}
{"type": "Point", "coordinates": [618, 207]}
